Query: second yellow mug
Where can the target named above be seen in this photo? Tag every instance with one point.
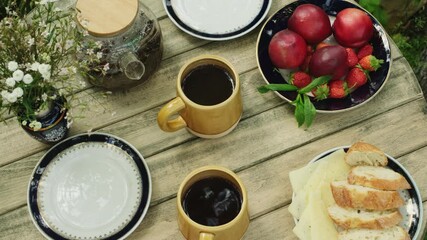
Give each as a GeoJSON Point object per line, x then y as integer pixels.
{"type": "Point", "coordinates": [212, 204]}
{"type": "Point", "coordinates": [206, 104]}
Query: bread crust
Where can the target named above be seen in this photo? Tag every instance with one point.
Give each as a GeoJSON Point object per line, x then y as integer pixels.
{"type": "Point", "coordinates": [365, 147]}
{"type": "Point", "coordinates": [382, 184]}
{"type": "Point", "coordinates": [371, 199]}
{"type": "Point", "coordinates": [381, 222]}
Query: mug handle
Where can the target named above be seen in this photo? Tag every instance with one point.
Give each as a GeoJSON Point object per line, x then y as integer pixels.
{"type": "Point", "coordinates": [206, 236]}
{"type": "Point", "coordinates": [171, 108]}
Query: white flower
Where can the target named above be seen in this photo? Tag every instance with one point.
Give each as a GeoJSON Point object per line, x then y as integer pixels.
{"type": "Point", "coordinates": [99, 55]}
{"type": "Point", "coordinates": [44, 97]}
{"type": "Point", "coordinates": [11, 98]}
{"type": "Point", "coordinates": [45, 33]}
{"type": "Point", "coordinates": [4, 93]}
{"type": "Point", "coordinates": [12, 66]}
{"type": "Point", "coordinates": [62, 92]}
{"type": "Point", "coordinates": [28, 79]}
{"type": "Point", "coordinates": [18, 92]}
{"type": "Point", "coordinates": [10, 82]}
{"type": "Point", "coordinates": [24, 123]}
{"type": "Point", "coordinates": [44, 69]}
{"type": "Point", "coordinates": [35, 66]}
{"type": "Point", "coordinates": [18, 75]}
{"type": "Point", "coordinates": [89, 51]}
{"type": "Point", "coordinates": [106, 67]}
{"type": "Point", "coordinates": [98, 44]}
{"type": "Point", "coordinates": [35, 125]}
{"type": "Point", "coordinates": [68, 44]}
{"type": "Point", "coordinates": [30, 41]}
{"type": "Point", "coordinates": [73, 69]}
{"type": "Point", "coordinates": [63, 72]}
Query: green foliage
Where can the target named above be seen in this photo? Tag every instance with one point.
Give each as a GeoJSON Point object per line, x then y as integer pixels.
{"type": "Point", "coordinates": [374, 7]}
{"type": "Point", "coordinates": [21, 7]}
{"type": "Point", "coordinates": [411, 39]}
{"type": "Point", "coordinates": [410, 36]}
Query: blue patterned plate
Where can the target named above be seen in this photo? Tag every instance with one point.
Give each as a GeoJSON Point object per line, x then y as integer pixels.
{"type": "Point", "coordinates": [89, 186]}
{"type": "Point", "coordinates": [217, 19]}
{"type": "Point", "coordinates": [362, 95]}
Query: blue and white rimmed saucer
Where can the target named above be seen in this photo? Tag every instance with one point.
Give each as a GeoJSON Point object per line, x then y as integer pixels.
{"type": "Point", "coordinates": [217, 19]}
{"type": "Point", "coordinates": [89, 186]}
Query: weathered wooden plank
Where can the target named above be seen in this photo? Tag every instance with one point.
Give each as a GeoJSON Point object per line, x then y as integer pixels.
{"type": "Point", "coordinates": [108, 109]}
{"type": "Point", "coordinates": [142, 131]}
{"type": "Point", "coordinates": [176, 42]}
{"type": "Point", "coordinates": [267, 184]}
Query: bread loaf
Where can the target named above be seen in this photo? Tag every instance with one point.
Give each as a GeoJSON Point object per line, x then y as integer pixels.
{"type": "Point", "coordinates": [361, 153]}
{"type": "Point", "coordinates": [378, 178]}
{"type": "Point", "coordinates": [393, 233]}
{"type": "Point", "coordinates": [357, 218]}
{"type": "Point", "coordinates": [353, 196]}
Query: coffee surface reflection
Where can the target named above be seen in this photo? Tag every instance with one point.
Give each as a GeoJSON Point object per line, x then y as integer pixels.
{"type": "Point", "coordinates": [212, 201]}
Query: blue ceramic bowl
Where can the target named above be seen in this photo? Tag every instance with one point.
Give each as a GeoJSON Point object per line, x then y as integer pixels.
{"type": "Point", "coordinates": [278, 21]}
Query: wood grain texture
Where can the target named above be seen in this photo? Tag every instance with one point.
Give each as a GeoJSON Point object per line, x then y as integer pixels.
{"type": "Point", "coordinates": [267, 183]}
{"type": "Point", "coordinates": [263, 149]}
{"type": "Point", "coordinates": [178, 48]}
{"type": "Point", "coordinates": [142, 131]}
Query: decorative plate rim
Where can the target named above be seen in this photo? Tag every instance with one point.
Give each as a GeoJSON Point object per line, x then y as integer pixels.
{"type": "Point", "coordinates": [317, 110]}
{"type": "Point", "coordinates": [408, 175]}
{"type": "Point", "coordinates": [46, 159]}
{"type": "Point", "coordinates": [217, 37]}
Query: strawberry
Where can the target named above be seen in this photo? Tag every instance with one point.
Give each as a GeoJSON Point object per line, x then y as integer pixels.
{"type": "Point", "coordinates": [355, 78]}
{"type": "Point", "coordinates": [338, 89]}
{"type": "Point", "coordinates": [352, 59]}
{"type": "Point", "coordinates": [321, 92]}
{"type": "Point", "coordinates": [370, 63]}
{"type": "Point", "coordinates": [322, 44]}
{"type": "Point", "coordinates": [365, 51]}
{"type": "Point", "coordinates": [300, 79]}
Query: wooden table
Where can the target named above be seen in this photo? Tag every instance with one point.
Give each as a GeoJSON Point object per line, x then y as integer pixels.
{"type": "Point", "coordinates": [264, 147]}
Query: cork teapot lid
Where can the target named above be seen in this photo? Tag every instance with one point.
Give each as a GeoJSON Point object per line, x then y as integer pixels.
{"type": "Point", "coordinates": [106, 18]}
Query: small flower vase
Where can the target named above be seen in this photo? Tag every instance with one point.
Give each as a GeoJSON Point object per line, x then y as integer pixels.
{"type": "Point", "coordinates": [54, 123]}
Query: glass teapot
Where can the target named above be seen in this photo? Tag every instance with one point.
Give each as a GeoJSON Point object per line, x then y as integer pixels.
{"type": "Point", "coordinates": [131, 40]}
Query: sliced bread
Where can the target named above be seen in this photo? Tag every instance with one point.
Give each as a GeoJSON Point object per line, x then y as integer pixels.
{"type": "Point", "coordinates": [393, 233]}
{"type": "Point", "coordinates": [361, 153]}
{"type": "Point", "coordinates": [356, 218]}
{"type": "Point", "coordinates": [377, 177]}
{"type": "Point", "coordinates": [354, 196]}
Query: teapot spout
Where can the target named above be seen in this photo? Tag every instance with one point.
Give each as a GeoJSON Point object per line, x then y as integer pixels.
{"type": "Point", "coordinates": [133, 68]}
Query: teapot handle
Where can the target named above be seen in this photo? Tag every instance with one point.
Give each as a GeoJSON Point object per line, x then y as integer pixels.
{"type": "Point", "coordinates": [131, 66]}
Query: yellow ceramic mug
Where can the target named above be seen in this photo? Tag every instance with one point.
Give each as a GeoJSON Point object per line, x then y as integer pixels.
{"type": "Point", "coordinates": [207, 121]}
{"type": "Point", "coordinates": [232, 230]}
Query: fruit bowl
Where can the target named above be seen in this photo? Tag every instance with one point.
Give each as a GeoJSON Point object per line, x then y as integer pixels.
{"type": "Point", "coordinates": [272, 75]}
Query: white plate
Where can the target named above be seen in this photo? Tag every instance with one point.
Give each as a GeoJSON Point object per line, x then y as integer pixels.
{"type": "Point", "coordinates": [217, 19]}
{"type": "Point", "coordinates": [90, 186]}
{"type": "Point", "coordinates": [411, 211]}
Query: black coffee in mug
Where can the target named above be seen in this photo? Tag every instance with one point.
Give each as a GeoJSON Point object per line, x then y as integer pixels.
{"type": "Point", "coordinates": [212, 201]}
{"type": "Point", "coordinates": [208, 85]}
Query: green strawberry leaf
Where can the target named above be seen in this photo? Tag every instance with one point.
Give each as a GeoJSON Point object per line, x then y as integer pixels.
{"type": "Point", "coordinates": [277, 87]}
{"type": "Point", "coordinates": [309, 111]}
{"type": "Point", "coordinates": [299, 110]}
{"type": "Point", "coordinates": [316, 82]}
